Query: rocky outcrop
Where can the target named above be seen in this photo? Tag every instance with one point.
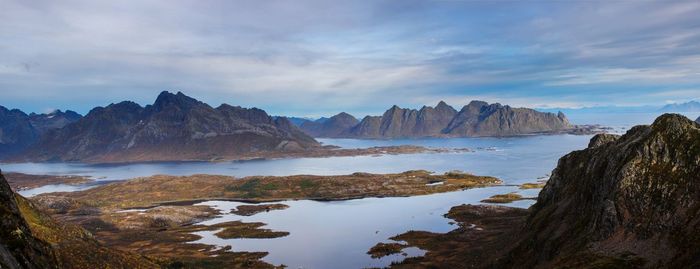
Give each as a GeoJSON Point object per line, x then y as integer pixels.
{"type": "Point", "coordinates": [174, 127]}
{"type": "Point", "coordinates": [30, 238]}
{"type": "Point", "coordinates": [331, 127]}
{"type": "Point", "coordinates": [18, 130]}
{"type": "Point", "coordinates": [19, 248]}
{"type": "Point", "coordinates": [627, 201]}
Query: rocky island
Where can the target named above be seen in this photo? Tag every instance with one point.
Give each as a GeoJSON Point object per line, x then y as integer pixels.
{"type": "Point", "coordinates": [478, 118]}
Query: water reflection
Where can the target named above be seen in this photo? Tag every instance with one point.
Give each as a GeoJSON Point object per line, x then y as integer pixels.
{"type": "Point", "coordinates": [338, 234]}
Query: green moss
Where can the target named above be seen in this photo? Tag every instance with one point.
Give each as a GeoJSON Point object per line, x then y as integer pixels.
{"type": "Point", "coordinates": [306, 184]}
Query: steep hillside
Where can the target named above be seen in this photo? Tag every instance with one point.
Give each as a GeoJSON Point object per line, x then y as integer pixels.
{"type": "Point", "coordinates": [636, 200]}
{"type": "Point", "coordinates": [32, 239]}
{"type": "Point", "coordinates": [175, 127]}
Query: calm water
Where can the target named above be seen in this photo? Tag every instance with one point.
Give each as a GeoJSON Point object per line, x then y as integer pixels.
{"type": "Point", "coordinates": [515, 160]}
{"type": "Point", "coordinates": [338, 234]}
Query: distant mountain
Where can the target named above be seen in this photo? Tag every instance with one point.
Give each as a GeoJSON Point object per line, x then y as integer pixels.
{"type": "Point", "coordinates": [329, 127]}
{"type": "Point", "coordinates": [400, 122]}
{"type": "Point", "coordinates": [476, 119]}
{"type": "Point", "coordinates": [19, 130]}
{"type": "Point", "coordinates": [482, 119]}
{"type": "Point", "coordinates": [697, 120]}
{"type": "Point", "coordinates": [54, 120]}
{"type": "Point", "coordinates": [175, 127]}
{"type": "Point", "coordinates": [692, 106]}
{"type": "Point", "coordinates": [603, 109]}
{"type": "Point", "coordinates": [634, 200]}
{"type": "Point", "coordinates": [16, 131]}
{"type": "Point", "coordinates": [297, 121]}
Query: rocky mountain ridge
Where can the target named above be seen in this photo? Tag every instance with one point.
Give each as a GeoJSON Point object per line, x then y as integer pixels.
{"type": "Point", "coordinates": [478, 118]}
{"type": "Point", "coordinates": [174, 127]}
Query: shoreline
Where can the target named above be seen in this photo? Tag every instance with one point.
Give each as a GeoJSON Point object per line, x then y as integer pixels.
{"type": "Point", "coordinates": [322, 152]}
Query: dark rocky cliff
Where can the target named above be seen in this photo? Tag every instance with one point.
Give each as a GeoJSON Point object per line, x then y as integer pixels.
{"type": "Point", "coordinates": [628, 201]}
{"type": "Point", "coordinates": [175, 127]}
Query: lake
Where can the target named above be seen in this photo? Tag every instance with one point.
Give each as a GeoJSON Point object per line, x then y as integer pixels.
{"type": "Point", "coordinates": [338, 234]}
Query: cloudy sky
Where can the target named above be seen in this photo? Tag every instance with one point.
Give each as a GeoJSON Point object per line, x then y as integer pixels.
{"type": "Point", "coordinates": [312, 58]}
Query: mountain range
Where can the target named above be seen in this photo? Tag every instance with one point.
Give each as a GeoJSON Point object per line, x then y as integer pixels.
{"type": "Point", "coordinates": [19, 130]}
{"type": "Point", "coordinates": [692, 106]}
{"type": "Point", "coordinates": [478, 118]}
{"type": "Point", "coordinates": [174, 127]}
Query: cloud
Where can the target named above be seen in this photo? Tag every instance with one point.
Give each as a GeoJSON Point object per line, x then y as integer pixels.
{"type": "Point", "coordinates": [313, 57]}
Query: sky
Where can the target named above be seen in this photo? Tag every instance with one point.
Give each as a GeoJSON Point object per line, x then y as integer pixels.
{"type": "Point", "coordinates": [316, 58]}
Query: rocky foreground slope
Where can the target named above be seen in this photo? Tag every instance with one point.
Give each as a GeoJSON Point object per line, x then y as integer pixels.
{"type": "Point", "coordinates": [175, 127]}
{"type": "Point", "coordinates": [626, 201]}
{"type": "Point", "coordinates": [31, 239]}
{"type": "Point", "coordinates": [475, 119]}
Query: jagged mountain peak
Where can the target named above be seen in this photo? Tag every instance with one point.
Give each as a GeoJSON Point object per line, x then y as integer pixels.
{"type": "Point", "coordinates": [175, 127]}
{"type": "Point", "coordinates": [179, 99]}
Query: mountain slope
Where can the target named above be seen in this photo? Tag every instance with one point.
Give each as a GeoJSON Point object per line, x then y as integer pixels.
{"type": "Point", "coordinates": [331, 127]}
{"type": "Point", "coordinates": [483, 119]}
{"type": "Point", "coordinates": [31, 239]}
{"type": "Point", "coordinates": [16, 131]}
{"type": "Point", "coordinates": [175, 127]}
{"type": "Point", "coordinates": [636, 200]}
{"type": "Point", "coordinates": [19, 248]}
{"type": "Point", "coordinates": [19, 130]}
{"type": "Point", "coordinates": [54, 120]}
